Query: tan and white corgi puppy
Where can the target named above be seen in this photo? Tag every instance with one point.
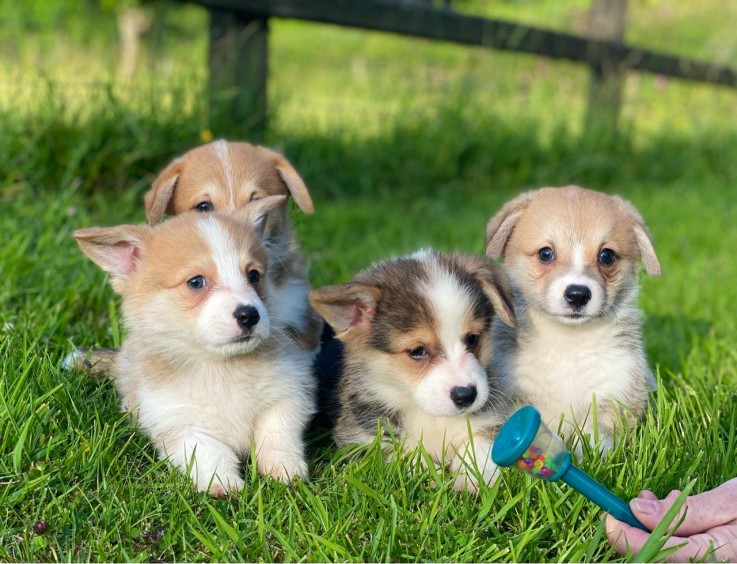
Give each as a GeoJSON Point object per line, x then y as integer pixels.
{"type": "Point", "coordinates": [573, 256]}
{"type": "Point", "coordinates": [417, 344]}
{"type": "Point", "coordinates": [206, 368]}
{"type": "Point", "coordinates": [225, 176]}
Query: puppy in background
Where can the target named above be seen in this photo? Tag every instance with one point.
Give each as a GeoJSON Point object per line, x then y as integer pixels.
{"type": "Point", "coordinates": [225, 176]}
{"type": "Point", "coordinates": [417, 344]}
{"type": "Point", "coordinates": [573, 256]}
{"type": "Point", "coordinates": [206, 369]}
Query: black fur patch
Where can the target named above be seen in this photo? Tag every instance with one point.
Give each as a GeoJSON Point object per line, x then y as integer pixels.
{"type": "Point", "coordinates": [367, 414]}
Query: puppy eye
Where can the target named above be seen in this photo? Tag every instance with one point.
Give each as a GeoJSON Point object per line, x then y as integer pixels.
{"type": "Point", "coordinates": [418, 353]}
{"type": "Point", "coordinates": [471, 340]}
{"type": "Point", "coordinates": [255, 196]}
{"type": "Point", "coordinates": [204, 206]}
{"type": "Point", "coordinates": [546, 254]}
{"type": "Point", "coordinates": [253, 276]}
{"type": "Point", "coordinates": [196, 283]}
{"type": "Point", "coordinates": [607, 256]}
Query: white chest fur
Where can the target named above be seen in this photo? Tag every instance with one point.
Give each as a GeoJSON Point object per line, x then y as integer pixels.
{"type": "Point", "coordinates": [220, 400]}
{"type": "Point", "coordinates": [560, 370]}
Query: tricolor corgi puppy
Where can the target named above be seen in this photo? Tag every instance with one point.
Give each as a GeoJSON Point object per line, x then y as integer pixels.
{"type": "Point", "coordinates": [206, 369]}
{"type": "Point", "coordinates": [417, 345]}
{"type": "Point", "coordinates": [225, 176]}
{"type": "Point", "coordinates": [572, 256]}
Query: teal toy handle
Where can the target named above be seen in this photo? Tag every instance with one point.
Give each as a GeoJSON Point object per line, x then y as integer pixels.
{"type": "Point", "coordinates": [601, 496]}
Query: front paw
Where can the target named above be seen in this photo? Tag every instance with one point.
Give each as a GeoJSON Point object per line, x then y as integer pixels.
{"type": "Point", "coordinates": [222, 489]}
{"type": "Point", "coordinates": [282, 466]}
{"type": "Point", "coordinates": [474, 468]}
{"type": "Point", "coordinates": [468, 479]}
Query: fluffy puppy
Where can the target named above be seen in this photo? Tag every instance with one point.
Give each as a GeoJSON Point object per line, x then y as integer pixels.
{"type": "Point", "coordinates": [417, 343]}
{"type": "Point", "coordinates": [573, 256]}
{"type": "Point", "coordinates": [225, 176]}
{"type": "Point", "coordinates": [205, 368]}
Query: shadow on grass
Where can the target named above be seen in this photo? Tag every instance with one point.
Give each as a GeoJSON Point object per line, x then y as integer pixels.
{"type": "Point", "coordinates": [112, 148]}
{"type": "Point", "coordinates": [463, 151]}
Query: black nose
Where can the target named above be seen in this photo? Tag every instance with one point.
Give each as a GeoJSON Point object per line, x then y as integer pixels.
{"type": "Point", "coordinates": [246, 316]}
{"type": "Point", "coordinates": [463, 396]}
{"type": "Point", "coordinates": [577, 296]}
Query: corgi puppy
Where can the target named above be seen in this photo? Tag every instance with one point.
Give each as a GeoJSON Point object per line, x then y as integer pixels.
{"type": "Point", "coordinates": [572, 256]}
{"type": "Point", "coordinates": [417, 344]}
{"type": "Point", "coordinates": [206, 368]}
{"type": "Point", "coordinates": [225, 176]}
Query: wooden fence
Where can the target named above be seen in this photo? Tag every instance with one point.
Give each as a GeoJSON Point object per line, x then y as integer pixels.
{"type": "Point", "coordinates": [238, 56]}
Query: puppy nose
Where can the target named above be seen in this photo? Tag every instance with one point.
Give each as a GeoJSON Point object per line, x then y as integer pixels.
{"type": "Point", "coordinates": [463, 396]}
{"type": "Point", "coordinates": [576, 295]}
{"type": "Point", "coordinates": [246, 316]}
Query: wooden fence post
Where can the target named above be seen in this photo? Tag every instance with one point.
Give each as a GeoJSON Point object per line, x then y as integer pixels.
{"type": "Point", "coordinates": [607, 23]}
{"type": "Point", "coordinates": [238, 61]}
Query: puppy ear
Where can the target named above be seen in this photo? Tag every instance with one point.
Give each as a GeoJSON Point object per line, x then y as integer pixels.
{"type": "Point", "coordinates": [643, 238]}
{"type": "Point", "coordinates": [256, 212]}
{"type": "Point", "coordinates": [293, 181]}
{"type": "Point", "coordinates": [348, 308]}
{"type": "Point", "coordinates": [497, 288]}
{"type": "Point", "coordinates": [501, 225]}
{"type": "Point", "coordinates": [117, 250]}
{"type": "Point", "coordinates": [158, 197]}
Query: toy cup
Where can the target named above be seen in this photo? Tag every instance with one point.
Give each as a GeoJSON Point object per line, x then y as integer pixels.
{"type": "Point", "coordinates": [525, 442]}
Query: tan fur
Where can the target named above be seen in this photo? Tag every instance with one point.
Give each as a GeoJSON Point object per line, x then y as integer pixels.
{"type": "Point", "coordinates": [230, 176]}
{"type": "Point", "coordinates": [559, 358]}
{"type": "Point", "coordinates": [227, 174]}
{"type": "Point", "coordinates": [199, 384]}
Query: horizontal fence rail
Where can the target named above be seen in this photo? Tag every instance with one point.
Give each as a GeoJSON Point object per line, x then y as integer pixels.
{"type": "Point", "coordinates": [423, 20]}
{"type": "Point", "coordinates": [239, 49]}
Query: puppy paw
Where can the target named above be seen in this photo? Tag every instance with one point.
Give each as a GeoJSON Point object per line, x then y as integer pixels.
{"type": "Point", "coordinates": [282, 466]}
{"type": "Point", "coordinates": [97, 362]}
{"type": "Point", "coordinates": [221, 487]}
{"type": "Point", "coordinates": [475, 467]}
{"type": "Point", "coordinates": [75, 360]}
{"type": "Point", "coordinates": [466, 483]}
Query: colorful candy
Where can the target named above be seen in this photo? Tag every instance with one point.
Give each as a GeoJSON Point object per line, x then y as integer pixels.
{"type": "Point", "coordinates": [538, 463]}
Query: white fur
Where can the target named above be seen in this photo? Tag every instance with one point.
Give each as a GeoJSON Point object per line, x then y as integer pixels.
{"type": "Point", "coordinates": [206, 418]}
{"type": "Point", "coordinates": [72, 360]}
{"type": "Point", "coordinates": [556, 301]}
{"type": "Point", "coordinates": [204, 399]}
{"type": "Point", "coordinates": [290, 303]}
{"type": "Point", "coordinates": [451, 440]}
{"type": "Point", "coordinates": [217, 327]}
{"type": "Point", "coordinates": [223, 155]}
{"type": "Point", "coordinates": [559, 366]}
{"type": "Point", "coordinates": [458, 367]}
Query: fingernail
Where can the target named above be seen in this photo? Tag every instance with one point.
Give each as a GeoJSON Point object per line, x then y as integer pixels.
{"type": "Point", "coordinates": [645, 506]}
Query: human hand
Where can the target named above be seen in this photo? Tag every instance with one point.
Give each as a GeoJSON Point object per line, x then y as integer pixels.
{"type": "Point", "coordinates": [710, 524]}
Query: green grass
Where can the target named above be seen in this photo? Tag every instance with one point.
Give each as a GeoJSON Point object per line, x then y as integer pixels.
{"type": "Point", "coordinates": [403, 144]}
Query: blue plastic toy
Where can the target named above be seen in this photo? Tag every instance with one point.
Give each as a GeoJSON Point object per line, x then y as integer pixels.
{"type": "Point", "coordinates": [525, 442]}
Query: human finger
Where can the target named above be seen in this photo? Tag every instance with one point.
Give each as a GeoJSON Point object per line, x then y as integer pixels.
{"type": "Point", "coordinates": [623, 537]}
{"type": "Point", "coordinates": [647, 494]}
{"type": "Point", "coordinates": [713, 546]}
{"type": "Point", "coordinates": [702, 512]}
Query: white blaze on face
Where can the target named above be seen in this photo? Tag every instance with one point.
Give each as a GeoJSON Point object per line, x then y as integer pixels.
{"type": "Point", "coordinates": [456, 367]}
{"type": "Point", "coordinates": [223, 155]}
{"type": "Point", "coordinates": [575, 275]}
{"type": "Point", "coordinates": [217, 327]}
